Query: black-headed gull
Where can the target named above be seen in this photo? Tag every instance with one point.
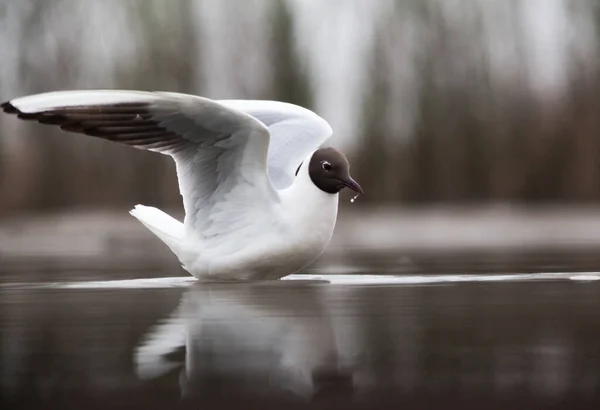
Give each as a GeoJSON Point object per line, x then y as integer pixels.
{"type": "Point", "coordinates": [260, 196]}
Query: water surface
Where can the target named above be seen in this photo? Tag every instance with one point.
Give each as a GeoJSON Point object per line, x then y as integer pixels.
{"type": "Point", "coordinates": [378, 339]}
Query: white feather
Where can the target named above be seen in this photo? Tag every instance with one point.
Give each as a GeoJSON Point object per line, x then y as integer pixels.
{"type": "Point", "coordinates": [295, 133]}
{"type": "Point", "coordinates": [57, 99]}
{"type": "Point", "coordinates": [247, 214]}
{"type": "Point", "coordinates": [168, 229]}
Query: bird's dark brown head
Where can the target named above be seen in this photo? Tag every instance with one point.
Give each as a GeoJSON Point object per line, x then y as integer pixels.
{"type": "Point", "coordinates": [330, 172]}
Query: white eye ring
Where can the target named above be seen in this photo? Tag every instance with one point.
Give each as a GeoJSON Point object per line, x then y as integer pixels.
{"type": "Point", "coordinates": [326, 166]}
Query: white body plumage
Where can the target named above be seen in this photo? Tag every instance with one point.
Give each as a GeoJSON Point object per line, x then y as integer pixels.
{"type": "Point", "coordinates": [251, 211]}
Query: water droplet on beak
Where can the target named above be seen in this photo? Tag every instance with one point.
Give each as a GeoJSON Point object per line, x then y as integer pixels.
{"type": "Point", "coordinates": [354, 198]}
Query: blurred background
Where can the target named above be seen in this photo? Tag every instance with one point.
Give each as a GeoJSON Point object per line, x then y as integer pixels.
{"type": "Point", "coordinates": [435, 101]}
{"type": "Point", "coordinates": [451, 111]}
{"type": "Point", "coordinates": [472, 125]}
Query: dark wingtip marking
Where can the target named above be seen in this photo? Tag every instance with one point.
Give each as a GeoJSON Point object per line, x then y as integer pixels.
{"type": "Point", "coordinates": [44, 118]}
{"type": "Point", "coordinates": [8, 108]}
{"type": "Point", "coordinates": [128, 123]}
{"type": "Point", "coordinates": [26, 116]}
{"type": "Point", "coordinates": [72, 128]}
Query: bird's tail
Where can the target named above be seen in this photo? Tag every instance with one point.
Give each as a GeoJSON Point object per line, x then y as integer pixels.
{"type": "Point", "coordinates": [168, 229]}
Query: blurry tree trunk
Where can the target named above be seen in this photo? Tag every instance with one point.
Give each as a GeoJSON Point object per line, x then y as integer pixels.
{"type": "Point", "coordinates": [51, 183]}
{"type": "Point", "coordinates": [290, 82]}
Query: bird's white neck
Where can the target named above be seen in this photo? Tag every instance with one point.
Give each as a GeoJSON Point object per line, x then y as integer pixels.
{"type": "Point", "coordinates": [305, 202]}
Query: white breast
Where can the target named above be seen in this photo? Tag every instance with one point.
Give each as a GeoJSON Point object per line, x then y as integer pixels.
{"type": "Point", "coordinates": [283, 241]}
{"type": "Point", "coordinates": [313, 215]}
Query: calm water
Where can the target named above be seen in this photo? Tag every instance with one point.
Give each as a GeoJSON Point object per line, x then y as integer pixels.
{"type": "Point", "coordinates": [437, 338]}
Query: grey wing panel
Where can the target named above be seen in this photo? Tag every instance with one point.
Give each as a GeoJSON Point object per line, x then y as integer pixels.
{"type": "Point", "coordinates": [220, 152]}
{"type": "Point", "coordinates": [295, 133]}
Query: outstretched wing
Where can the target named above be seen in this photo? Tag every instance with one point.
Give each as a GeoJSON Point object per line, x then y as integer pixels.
{"type": "Point", "coordinates": [295, 133]}
{"type": "Point", "coordinates": [220, 152]}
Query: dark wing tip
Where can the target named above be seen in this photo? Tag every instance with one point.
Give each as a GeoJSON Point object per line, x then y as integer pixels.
{"type": "Point", "coordinates": [8, 108]}
{"type": "Point", "coordinates": [126, 123]}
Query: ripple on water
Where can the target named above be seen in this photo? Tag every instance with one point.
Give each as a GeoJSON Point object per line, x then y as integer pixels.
{"type": "Point", "coordinates": [334, 279]}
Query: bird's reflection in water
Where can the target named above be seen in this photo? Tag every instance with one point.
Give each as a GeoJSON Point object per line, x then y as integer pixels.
{"type": "Point", "coordinates": [526, 343]}
{"type": "Point", "coordinates": [248, 338]}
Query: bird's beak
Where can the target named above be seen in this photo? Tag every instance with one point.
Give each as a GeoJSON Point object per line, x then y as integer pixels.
{"type": "Point", "coordinates": [352, 184]}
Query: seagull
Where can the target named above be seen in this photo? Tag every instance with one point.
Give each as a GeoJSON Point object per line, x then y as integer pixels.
{"type": "Point", "coordinates": [259, 191]}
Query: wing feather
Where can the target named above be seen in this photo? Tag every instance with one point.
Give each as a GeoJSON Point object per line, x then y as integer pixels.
{"type": "Point", "coordinates": [295, 133]}
{"type": "Point", "coordinates": [220, 152]}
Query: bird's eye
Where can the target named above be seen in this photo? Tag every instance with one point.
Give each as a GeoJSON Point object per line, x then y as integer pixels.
{"type": "Point", "coordinates": [326, 166]}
